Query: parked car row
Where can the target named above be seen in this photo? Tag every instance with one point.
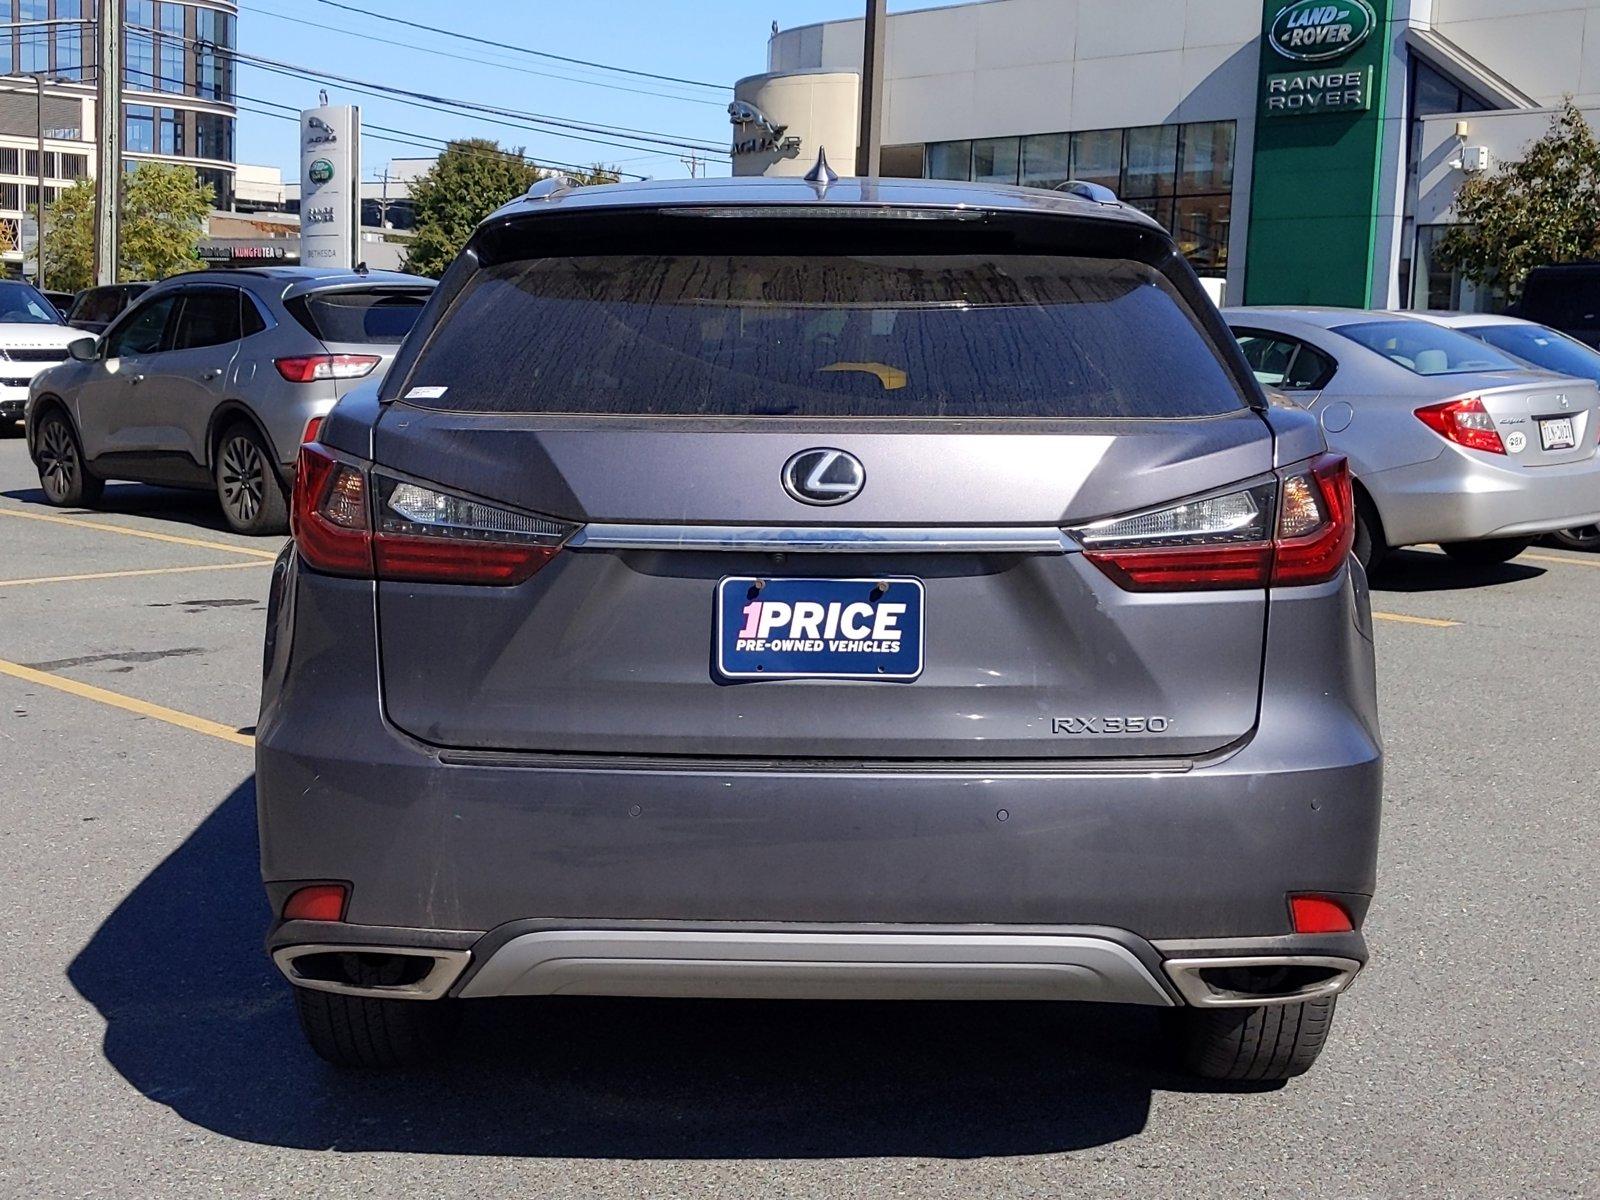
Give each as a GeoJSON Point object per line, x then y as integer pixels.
{"type": "Point", "coordinates": [1453, 434]}
{"type": "Point", "coordinates": [207, 380]}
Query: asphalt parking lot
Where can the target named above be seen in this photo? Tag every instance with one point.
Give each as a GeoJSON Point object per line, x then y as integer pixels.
{"type": "Point", "coordinates": [150, 1049]}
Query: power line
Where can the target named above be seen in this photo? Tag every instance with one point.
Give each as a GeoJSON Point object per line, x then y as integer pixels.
{"type": "Point", "coordinates": [638, 139]}
{"type": "Point", "coordinates": [467, 37]}
{"type": "Point", "coordinates": [423, 140]}
{"type": "Point", "coordinates": [479, 60]}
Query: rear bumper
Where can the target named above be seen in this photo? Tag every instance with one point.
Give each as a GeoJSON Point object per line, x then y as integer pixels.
{"type": "Point", "coordinates": [834, 962]}
{"type": "Point", "coordinates": [1463, 495]}
{"type": "Point", "coordinates": [13, 403]}
{"type": "Point", "coordinates": [1206, 850]}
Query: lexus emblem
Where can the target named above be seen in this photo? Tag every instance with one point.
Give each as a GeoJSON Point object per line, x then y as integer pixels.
{"type": "Point", "coordinates": [824, 476]}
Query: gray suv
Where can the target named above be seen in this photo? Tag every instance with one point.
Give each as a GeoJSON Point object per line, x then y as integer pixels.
{"type": "Point", "coordinates": [211, 380]}
{"type": "Point", "coordinates": [844, 589]}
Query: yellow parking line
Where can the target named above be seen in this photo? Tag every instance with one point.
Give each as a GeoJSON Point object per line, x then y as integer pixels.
{"type": "Point", "coordinates": [1408, 619]}
{"type": "Point", "coordinates": [1554, 558]}
{"type": "Point", "coordinates": [129, 574]}
{"type": "Point", "coordinates": [141, 708]}
{"type": "Point", "coordinates": [138, 533]}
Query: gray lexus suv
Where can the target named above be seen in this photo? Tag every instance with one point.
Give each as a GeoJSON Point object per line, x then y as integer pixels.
{"type": "Point", "coordinates": [212, 379]}
{"type": "Point", "coordinates": [820, 588]}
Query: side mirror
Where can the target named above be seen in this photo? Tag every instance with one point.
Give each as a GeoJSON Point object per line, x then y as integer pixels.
{"type": "Point", "coordinates": [84, 349]}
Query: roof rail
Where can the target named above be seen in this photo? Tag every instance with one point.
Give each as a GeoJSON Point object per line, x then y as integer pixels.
{"type": "Point", "coordinates": [1088, 191]}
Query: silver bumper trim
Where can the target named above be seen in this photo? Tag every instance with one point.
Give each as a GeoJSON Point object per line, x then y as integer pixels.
{"type": "Point", "coordinates": [813, 965]}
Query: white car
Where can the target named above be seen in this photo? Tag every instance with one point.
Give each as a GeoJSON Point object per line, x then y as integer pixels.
{"type": "Point", "coordinates": [1543, 347]}
{"type": "Point", "coordinates": [33, 337]}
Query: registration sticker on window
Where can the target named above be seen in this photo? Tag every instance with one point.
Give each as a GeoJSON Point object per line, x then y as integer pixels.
{"type": "Point", "coordinates": [426, 393]}
{"type": "Point", "coordinates": [819, 628]}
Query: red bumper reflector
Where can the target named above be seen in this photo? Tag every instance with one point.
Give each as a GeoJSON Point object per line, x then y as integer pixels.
{"type": "Point", "coordinates": [1318, 914]}
{"type": "Point", "coordinates": [319, 902]}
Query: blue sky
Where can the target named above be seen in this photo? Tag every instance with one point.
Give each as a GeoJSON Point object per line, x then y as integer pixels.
{"type": "Point", "coordinates": [715, 41]}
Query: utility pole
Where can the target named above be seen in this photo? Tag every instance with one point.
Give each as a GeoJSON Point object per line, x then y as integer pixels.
{"type": "Point", "coordinates": [869, 144]}
{"type": "Point", "coordinates": [38, 222]}
{"type": "Point", "coordinates": [693, 163]}
{"type": "Point", "coordinates": [108, 129]}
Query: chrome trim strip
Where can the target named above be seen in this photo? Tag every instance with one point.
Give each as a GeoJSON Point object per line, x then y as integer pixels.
{"type": "Point", "coordinates": [826, 539]}
{"type": "Point", "coordinates": [1185, 975]}
{"type": "Point", "coordinates": [447, 968]}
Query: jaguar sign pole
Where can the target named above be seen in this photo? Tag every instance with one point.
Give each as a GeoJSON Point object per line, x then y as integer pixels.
{"type": "Point", "coordinates": [330, 186]}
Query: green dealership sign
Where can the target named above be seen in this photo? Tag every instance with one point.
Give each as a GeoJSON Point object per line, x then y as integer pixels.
{"type": "Point", "coordinates": [1319, 146]}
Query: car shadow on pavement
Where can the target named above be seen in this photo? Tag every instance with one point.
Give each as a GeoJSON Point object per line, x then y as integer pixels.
{"type": "Point", "coordinates": [1425, 571]}
{"type": "Point", "coordinates": [197, 1019]}
{"type": "Point", "coordinates": [179, 505]}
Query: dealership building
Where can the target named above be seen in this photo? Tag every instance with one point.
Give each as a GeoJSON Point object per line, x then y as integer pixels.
{"type": "Point", "coordinates": [1300, 151]}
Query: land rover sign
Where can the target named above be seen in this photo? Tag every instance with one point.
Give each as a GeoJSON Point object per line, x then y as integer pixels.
{"type": "Point", "coordinates": [1321, 30]}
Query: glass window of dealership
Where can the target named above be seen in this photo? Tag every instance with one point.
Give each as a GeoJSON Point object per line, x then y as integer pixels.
{"type": "Point", "coordinates": [176, 53]}
{"type": "Point", "coordinates": [1182, 175]}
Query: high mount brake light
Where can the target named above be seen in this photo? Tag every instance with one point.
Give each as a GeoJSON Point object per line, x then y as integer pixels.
{"type": "Point", "coordinates": [1464, 422]}
{"type": "Point", "coordinates": [310, 368]}
{"type": "Point", "coordinates": [1293, 529]}
{"type": "Point", "coordinates": [348, 521]}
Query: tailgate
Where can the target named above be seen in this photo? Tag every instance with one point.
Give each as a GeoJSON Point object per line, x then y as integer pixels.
{"type": "Point", "coordinates": [611, 649]}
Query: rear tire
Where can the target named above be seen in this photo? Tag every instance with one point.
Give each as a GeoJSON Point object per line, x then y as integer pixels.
{"type": "Point", "coordinates": [1261, 1044]}
{"type": "Point", "coordinates": [63, 474]}
{"type": "Point", "coordinates": [1371, 546]}
{"type": "Point", "coordinates": [1488, 552]}
{"type": "Point", "coordinates": [372, 1033]}
{"type": "Point", "coordinates": [252, 499]}
{"type": "Point", "coordinates": [1585, 537]}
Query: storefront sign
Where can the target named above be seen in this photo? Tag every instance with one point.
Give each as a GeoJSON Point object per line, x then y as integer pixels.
{"type": "Point", "coordinates": [330, 196]}
{"type": "Point", "coordinates": [223, 251]}
{"type": "Point", "coordinates": [1321, 30]}
{"type": "Point", "coordinates": [755, 132]}
{"type": "Point", "coordinates": [1329, 90]}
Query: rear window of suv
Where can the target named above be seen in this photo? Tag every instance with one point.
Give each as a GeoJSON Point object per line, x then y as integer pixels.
{"type": "Point", "coordinates": [847, 336]}
{"type": "Point", "coordinates": [377, 317]}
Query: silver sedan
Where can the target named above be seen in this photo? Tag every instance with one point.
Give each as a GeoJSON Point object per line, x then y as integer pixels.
{"type": "Point", "coordinates": [1542, 347]}
{"type": "Point", "coordinates": [1451, 440]}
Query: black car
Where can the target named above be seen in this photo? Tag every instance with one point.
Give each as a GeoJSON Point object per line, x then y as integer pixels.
{"type": "Point", "coordinates": [96, 307]}
{"type": "Point", "coordinates": [1564, 297]}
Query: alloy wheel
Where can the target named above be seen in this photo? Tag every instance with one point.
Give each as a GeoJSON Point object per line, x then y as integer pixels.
{"type": "Point", "coordinates": [59, 468]}
{"type": "Point", "coordinates": [243, 476]}
{"type": "Point", "coordinates": [1584, 537]}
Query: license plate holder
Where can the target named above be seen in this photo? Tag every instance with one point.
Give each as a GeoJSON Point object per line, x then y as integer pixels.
{"type": "Point", "coordinates": [764, 628]}
{"type": "Point", "coordinates": [1557, 433]}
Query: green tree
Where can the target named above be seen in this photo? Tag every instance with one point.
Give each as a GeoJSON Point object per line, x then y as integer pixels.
{"type": "Point", "coordinates": [472, 178]}
{"type": "Point", "coordinates": [163, 210]}
{"type": "Point", "coordinates": [1544, 209]}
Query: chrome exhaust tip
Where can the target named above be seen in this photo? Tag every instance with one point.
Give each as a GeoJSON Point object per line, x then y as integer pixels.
{"type": "Point", "coordinates": [1263, 979]}
{"type": "Point", "coordinates": [396, 972]}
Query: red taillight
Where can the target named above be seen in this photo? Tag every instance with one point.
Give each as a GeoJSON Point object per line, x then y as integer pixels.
{"type": "Point", "coordinates": [1319, 914]}
{"type": "Point", "coordinates": [436, 560]}
{"type": "Point", "coordinates": [330, 521]}
{"type": "Point", "coordinates": [1314, 539]}
{"type": "Point", "coordinates": [1181, 569]}
{"type": "Point", "coordinates": [1293, 530]}
{"type": "Point", "coordinates": [313, 427]}
{"type": "Point", "coordinates": [1464, 422]}
{"type": "Point", "coordinates": [309, 368]}
{"type": "Point", "coordinates": [319, 902]}
{"type": "Point", "coordinates": [422, 534]}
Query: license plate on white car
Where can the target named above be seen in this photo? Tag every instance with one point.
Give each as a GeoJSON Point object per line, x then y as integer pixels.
{"type": "Point", "coordinates": [1555, 433]}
